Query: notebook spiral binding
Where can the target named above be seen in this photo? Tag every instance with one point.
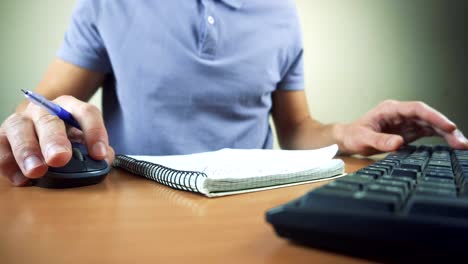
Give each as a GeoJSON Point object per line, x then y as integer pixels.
{"type": "Point", "coordinates": [177, 179]}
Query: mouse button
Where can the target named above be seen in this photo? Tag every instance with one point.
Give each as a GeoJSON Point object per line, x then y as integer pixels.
{"type": "Point", "coordinates": [73, 166]}
{"type": "Point", "coordinates": [77, 154]}
{"type": "Point", "coordinates": [95, 165]}
{"type": "Point", "coordinates": [80, 147]}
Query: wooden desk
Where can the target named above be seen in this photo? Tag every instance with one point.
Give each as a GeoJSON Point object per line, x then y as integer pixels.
{"type": "Point", "coordinates": [128, 219]}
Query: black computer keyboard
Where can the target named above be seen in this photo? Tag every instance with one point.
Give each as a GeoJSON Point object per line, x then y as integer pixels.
{"type": "Point", "coordinates": [411, 205]}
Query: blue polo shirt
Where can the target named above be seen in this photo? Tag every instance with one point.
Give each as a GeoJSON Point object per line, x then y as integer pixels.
{"type": "Point", "coordinates": [187, 76]}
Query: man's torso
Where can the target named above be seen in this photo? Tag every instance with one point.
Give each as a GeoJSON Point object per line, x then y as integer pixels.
{"type": "Point", "coordinates": [191, 76]}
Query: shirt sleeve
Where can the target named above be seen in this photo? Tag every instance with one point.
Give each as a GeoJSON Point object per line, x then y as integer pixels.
{"type": "Point", "coordinates": [293, 73]}
{"type": "Point", "coordinates": [294, 77]}
{"type": "Point", "coordinates": [83, 45]}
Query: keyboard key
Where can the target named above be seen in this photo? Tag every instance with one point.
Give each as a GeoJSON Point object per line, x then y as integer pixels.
{"type": "Point", "coordinates": [392, 162]}
{"type": "Point", "coordinates": [387, 162]}
{"type": "Point", "coordinates": [382, 168]}
{"type": "Point", "coordinates": [346, 186]}
{"type": "Point", "coordinates": [403, 185]}
{"type": "Point", "coordinates": [461, 171]}
{"type": "Point", "coordinates": [358, 201]}
{"type": "Point", "coordinates": [402, 172]}
{"type": "Point", "coordinates": [431, 191]}
{"type": "Point", "coordinates": [438, 169]}
{"type": "Point", "coordinates": [407, 180]}
{"type": "Point", "coordinates": [370, 172]}
{"type": "Point", "coordinates": [395, 191]}
{"type": "Point", "coordinates": [439, 174]}
{"type": "Point", "coordinates": [438, 185]}
{"type": "Point", "coordinates": [415, 164]}
{"type": "Point", "coordinates": [440, 163]}
{"type": "Point", "coordinates": [436, 206]}
{"type": "Point", "coordinates": [437, 180]}
{"type": "Point", "coordinates": [360, 180]}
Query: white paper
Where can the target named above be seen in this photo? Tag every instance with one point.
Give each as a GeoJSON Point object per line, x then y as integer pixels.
{"type": "Point", "coordinates": [245, 163]}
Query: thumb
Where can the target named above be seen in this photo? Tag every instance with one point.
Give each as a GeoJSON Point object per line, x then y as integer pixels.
{"type": "Point", "coordinates": [384, 142]}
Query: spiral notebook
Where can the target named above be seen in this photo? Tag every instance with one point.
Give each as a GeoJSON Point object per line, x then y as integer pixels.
{"type": "Point", "coordinates": [233, 171]}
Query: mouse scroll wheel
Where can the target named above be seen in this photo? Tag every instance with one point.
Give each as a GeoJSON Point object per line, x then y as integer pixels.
{"type": "Point", "coordinates": [77, 154]}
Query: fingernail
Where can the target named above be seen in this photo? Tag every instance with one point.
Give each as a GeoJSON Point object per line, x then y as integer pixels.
{"type": "Point", "coordinates": [55, 149]}
{"type": "Point", "coordinates": [32, 162]}
{"type": "Point", "coordinates": [391, 142]}
{"type": "Point", "coordinates": [18, 179]}
{"type": "Point", "coordinates": [100, 149]}
{"type": "Point", "coordinates": [461, 137]}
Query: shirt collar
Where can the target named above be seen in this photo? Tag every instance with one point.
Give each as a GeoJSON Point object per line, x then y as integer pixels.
{"type": "Point", "coordinates": [236, 4]}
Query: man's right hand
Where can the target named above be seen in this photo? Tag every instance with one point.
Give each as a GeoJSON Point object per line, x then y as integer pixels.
{"type": "Point", "coordinates": [33, 140]}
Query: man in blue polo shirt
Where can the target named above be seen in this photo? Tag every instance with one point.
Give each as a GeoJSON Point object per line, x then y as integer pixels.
{"type": "Point", "coordinates": [187, 76]}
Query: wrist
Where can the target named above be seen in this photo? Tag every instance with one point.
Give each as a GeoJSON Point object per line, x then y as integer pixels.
{"type": "Point", "coordinates": [338, 135]}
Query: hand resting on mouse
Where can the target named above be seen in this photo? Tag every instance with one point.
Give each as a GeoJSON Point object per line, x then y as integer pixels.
{"type": "Point", "coordinates": [33, 140]}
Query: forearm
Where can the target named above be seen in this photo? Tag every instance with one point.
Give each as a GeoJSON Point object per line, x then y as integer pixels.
{"type": "Point", "coordinates": [63, 78]}
{"type": "Point", "coordinates": [311, 134]}
{"type": "Point", "coordinates": [295, 127]}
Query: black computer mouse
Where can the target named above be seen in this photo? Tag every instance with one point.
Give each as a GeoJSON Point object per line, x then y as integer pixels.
{"type": "Point", "coordinates": [81, 170]}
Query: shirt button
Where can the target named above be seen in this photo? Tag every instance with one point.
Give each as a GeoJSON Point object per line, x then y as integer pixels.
{"type": "Point", "coordinates": [211, 20]}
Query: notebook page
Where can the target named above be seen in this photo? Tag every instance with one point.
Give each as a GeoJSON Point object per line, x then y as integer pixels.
{"type": "Point", "coordinates": [245, 163]}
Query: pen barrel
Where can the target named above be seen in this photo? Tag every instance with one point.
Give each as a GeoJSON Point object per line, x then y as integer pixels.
{"type": "Point", "coordinates": [41, 101]}
{"type": "Point", "coordinates": [53, 108]}
{"type": "Point", "coordinates": [68, 118]}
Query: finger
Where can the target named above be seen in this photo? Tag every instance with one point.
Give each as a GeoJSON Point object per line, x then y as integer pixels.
{"type": "Point", "coordinates": [382, 142]}
{"type": "Point", "coordinates": [412, 133]}
{"type": "Point", "coordinates": [456, 139]}
{"type": "Point", "coordinates": [92, 125]}
{"type": "Point", "coordinates": [110, 155]}
{"type": "Point", "coordinates": [8, 166]}
{"type": "Point", "coordinates": [423, 112]}
{"type": "Point", "coordinates": [55, 146]}
{"type": "Point", "coordinates": [427, 132]}
{"type": "Point", "coordinates": [21, 135]}
{"type": "Point", "coordinates": [75, 135]}
{"type": "Point", "coordinates": [423, 125]}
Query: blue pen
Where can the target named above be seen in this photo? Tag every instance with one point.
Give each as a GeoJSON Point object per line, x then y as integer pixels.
{"type": "Point", "coordinates": [54, 109]}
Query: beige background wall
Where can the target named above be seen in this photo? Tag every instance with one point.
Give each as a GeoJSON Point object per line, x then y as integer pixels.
{"type": "Point", "coordinates": [358, 53]}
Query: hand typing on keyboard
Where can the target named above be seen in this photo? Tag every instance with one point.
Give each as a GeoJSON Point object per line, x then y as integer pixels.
{"type": "Point", "coordinates": [392, 124]}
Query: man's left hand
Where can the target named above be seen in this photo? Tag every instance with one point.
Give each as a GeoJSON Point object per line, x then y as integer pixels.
{"type": "Point", "coordinates": [392, 124]}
